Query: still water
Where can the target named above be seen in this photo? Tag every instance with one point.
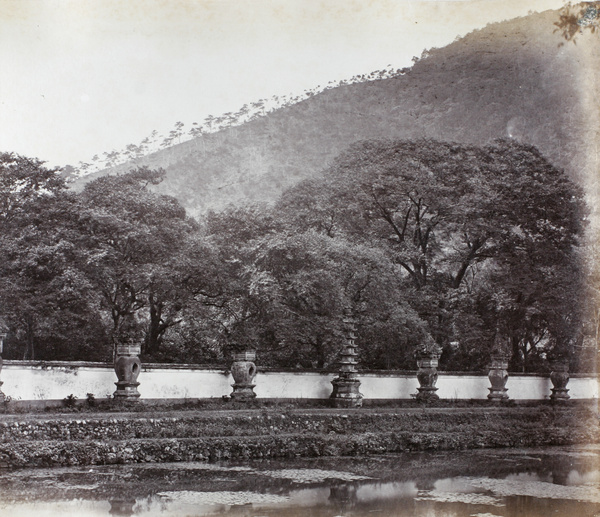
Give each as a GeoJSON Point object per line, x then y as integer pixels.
{"type": "Point", "coordinates": [562, 481]}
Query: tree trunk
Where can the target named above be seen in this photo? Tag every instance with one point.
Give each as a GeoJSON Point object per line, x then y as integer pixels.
{"type": "Point", "coordinates": [155, 328]}
{"type": "Point", "coordinates": [515, 362]}
{"type": "Point", "coordinates": [320, 351]}
{"type": "Point", "coordinates": [29, 348]}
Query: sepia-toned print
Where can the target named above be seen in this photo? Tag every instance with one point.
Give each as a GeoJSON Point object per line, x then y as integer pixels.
{"type": "Point", "coordinates": [299, 258]}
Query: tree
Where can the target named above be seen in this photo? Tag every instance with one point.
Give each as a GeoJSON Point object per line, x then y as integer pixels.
{"type": "Point", "coordinates": [22, 181]}
{"type": "Point", "coordinates": [177, 133]}
{"type": "Point", "coordinates": [575, 19]}
{"type": "Point", "coordinates": [134, 237]}
{"type": "Point", "coordinates": [448, 215]}
{"type": "Point", "coordinates": [111, 159]}
{"type": "Point", "coordinates": [83, 271]}
{"type": "Point", "coordinates": [290, 290]}
{"type": "Point", "coordinates": [43, 295]}
{"type": "Point", "coordinates": [190, 277]}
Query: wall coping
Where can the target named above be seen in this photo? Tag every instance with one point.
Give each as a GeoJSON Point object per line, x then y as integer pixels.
{"type": "Point", "coordinates": [74, 365]}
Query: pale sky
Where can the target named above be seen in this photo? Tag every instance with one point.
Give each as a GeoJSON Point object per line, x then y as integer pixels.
{"type": "Point", "coordinates": [80, 77]}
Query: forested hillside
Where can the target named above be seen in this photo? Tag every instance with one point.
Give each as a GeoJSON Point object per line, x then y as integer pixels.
{"type": "Point", "coordinates": [516, 79]}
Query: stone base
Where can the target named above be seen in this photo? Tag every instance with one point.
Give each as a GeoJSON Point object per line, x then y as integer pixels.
{"type": "Point", "coordinates": [345, 393]}
{"type": "Point", "coordinates": [126, 390]}
{"type": "Point", "coordinates": [427, 394]}
{"type": "Point", "coordinates": [350, 402]}
{"type": "Point", "coordinates": [559, 395]}
{"type": "Point", "coordinates": [243, 392]}
{"type": "Point", "coordinates": [497, 395]}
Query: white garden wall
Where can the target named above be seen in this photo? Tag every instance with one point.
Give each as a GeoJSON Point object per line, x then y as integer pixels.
{"type": "Point", "coordinates": [55, 381]}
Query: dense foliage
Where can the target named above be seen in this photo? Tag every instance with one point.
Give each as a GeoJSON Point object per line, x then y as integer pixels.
{"type": "Point", "coordinates": [422, 244]}
{"type": "Point", "coordinates": [484, 240]}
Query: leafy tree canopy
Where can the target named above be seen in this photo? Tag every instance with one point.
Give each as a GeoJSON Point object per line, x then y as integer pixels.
{"type": "Point", "coordinates": [471, 247]}
{"type": "Point", "coordinates": [497, 227]}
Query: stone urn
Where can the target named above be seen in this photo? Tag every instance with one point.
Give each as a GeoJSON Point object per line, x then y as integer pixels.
{"type": "Point", "coordinates": [243, 371]}
{"type": "Point", "coordinates": [560, 378]}
{"type": "Point", "coordinates": [427, 375]}
{"type": "Point", "coordinates": [498, 375]}
{"type": "Point", "coordinates": [127, 367]}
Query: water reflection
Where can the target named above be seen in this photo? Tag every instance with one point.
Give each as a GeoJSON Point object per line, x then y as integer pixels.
{"type": "Point", "coordinates": [541, 482]}
{"type": "Point", "coordinates": [122, 506]}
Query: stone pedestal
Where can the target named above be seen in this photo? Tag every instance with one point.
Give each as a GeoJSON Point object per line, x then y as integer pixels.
{"type": "Point", "coordinates": [427, 376]}
{"type": "Point", "coordinates": [346, 386]}
{"type": "Point", "coordinates": [127, 367]}
{"type": "Point", "coordinates": [560, 378]}
{"type": "Point", "coordinates": [2, 395]}
{"type": "Point", "coordinates": [243, 371]}
{"type": "Point", "coordinates": [498, 376]}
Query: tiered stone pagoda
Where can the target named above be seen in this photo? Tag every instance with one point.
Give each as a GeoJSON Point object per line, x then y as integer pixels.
{"type": "Point", "coordinates": [346, 386]}
{"type": "Point", "coordinates": [498, 369]}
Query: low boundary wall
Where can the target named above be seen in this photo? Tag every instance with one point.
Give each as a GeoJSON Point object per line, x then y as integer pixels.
{"type": "Point", "coordinates": [56, 380]}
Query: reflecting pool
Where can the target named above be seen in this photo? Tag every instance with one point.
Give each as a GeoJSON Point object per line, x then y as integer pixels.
{"type": "Point", "coordinates": [561, 481]}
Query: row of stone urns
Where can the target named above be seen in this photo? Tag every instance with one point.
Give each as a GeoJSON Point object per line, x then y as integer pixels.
{"type": "Point", "coordinates": [346, 386]}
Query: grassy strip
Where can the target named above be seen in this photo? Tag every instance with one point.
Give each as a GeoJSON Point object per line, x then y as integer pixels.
{"type": "Point", "coordinates": [271, 434]}
{"type": "Point", "coordinates": [265, 422]}
{"type": "Point", "coordinates": [58, 453]}
{"type": "Point", "coordinates": [251, 423]}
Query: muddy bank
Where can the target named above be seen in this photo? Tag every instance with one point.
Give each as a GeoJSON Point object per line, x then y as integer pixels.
{"type": "Point", "coordinates": [100, 439]}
